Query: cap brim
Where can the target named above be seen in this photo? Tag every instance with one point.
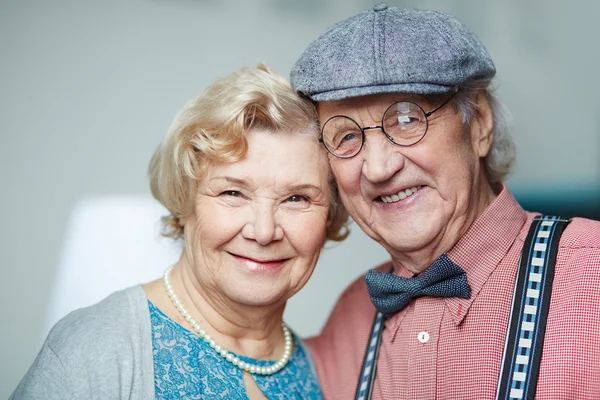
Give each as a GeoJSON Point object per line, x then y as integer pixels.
{"type": "Point", "coordinates": [415, 88]}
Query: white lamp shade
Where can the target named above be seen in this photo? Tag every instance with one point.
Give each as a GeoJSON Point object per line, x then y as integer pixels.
{"type": "Point", "coordinates": [110, 243]}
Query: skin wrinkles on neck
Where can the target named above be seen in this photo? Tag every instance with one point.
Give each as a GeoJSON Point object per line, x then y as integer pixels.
{"type": "Point", "coordinates": [251, 331]}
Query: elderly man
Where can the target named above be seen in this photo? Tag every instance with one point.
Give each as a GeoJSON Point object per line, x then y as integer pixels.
{"type": "Point", "coordinates": [480, 298]}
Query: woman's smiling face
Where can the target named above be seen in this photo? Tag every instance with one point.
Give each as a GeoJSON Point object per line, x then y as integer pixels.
{"type": "Point", "coordinates": [259, 224]}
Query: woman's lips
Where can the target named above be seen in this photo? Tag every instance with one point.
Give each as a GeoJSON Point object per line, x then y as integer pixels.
{"type": "Point", "coordinates": [259, 265]}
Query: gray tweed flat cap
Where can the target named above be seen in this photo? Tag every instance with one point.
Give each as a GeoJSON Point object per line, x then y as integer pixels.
{"type": "Point", "coordinates": [388, 50]}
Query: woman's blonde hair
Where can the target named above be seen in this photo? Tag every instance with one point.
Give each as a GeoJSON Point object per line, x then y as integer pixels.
{"type": "Point", "coordinates": [213, 128]}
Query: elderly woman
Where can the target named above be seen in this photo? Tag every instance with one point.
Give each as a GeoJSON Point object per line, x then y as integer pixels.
{"type": "Point", "coordinates": [247, 186]}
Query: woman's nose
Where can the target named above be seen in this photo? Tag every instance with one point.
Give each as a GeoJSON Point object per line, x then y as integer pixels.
{"type": "Point", "coordinates": [382, 159]}
{"type": "Point", "coordinates": [263, 227]}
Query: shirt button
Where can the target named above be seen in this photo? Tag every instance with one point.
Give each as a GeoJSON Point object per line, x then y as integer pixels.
{"type": "Point", "coordinates": [423, 337]}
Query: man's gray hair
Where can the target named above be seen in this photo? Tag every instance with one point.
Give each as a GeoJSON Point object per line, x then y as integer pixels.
{"type": "Point", "coordinates": [500, 158]}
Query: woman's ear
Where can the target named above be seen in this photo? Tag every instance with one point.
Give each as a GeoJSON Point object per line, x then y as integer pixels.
{"type": "Point", "coordinates": [185, 219]}
{"type": "Point", "coordinates": [482, 126]}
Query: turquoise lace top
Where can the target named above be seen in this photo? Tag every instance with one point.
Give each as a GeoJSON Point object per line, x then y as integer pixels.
{"type": "Point", "coordinates": [185, 366]}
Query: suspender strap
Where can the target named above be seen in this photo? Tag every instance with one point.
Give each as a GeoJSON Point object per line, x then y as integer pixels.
{"type": "Point", "coordinates": [369, 364]}
{"type": "Point", "coordinates": [368, 369]}
{"type": "Point", "coordinates": [527, 324]}
{"type": "Point", "coordinates": [531, 301]}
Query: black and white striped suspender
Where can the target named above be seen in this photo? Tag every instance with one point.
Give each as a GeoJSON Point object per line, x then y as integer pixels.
{"type": "Point", "coordinates": [527, 325]}
{"type": "Point", "coordinates": [530, 305]}
{"type": "Point", "coordinates": [369, 364]}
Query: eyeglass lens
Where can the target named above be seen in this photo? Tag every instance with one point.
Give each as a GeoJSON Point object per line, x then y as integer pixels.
{"type": "Point", "coordinates": [404, 123]}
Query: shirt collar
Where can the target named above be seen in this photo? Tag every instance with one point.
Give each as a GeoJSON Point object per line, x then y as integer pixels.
{"type": "Point", "coordinates": [479, 251]}
{"type": "Point", "coordinates": [484, 245]}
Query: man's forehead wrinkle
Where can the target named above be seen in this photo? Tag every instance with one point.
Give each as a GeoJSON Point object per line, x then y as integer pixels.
{"type": "Point", "coordinates": [368, 110]}
{"type": "Point", "coordinates": [366, 113]}
{"type": "Point", "coordinates": [378, 104]}
{"type": "Point", "coordinates": [375, 113]}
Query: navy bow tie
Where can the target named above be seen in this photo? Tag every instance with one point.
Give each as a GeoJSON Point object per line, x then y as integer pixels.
{"type": "Point", "coordinates": [391, 293]}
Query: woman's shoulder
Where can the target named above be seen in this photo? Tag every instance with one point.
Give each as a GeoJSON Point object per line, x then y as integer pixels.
{"type": "Point", "coordinates": [101, 351]}
{"type": "Point", "coordinates": [119, 315]}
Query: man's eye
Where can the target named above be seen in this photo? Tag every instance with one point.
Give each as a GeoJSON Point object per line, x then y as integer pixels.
{"type": "Point", "coordinates": [406, 120]}
{"type": "Point", "coordinates": [346, 136]}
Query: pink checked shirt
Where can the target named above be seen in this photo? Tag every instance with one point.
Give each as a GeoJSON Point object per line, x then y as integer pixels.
{"type": "Point", "coordinates": [451, 348]}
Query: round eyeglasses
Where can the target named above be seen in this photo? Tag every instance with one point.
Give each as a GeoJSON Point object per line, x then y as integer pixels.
{"type": "Point", "coordinates": [404, 123]}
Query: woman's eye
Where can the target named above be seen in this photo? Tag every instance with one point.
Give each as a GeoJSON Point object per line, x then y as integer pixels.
{"type": "Point", "coordinates": [232, 193]}
{"type": "Point", "coordinates": [297, 198]}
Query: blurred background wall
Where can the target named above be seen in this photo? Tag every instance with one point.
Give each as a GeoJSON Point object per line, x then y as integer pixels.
{"type": "Point", "coordinates": [89, 88]}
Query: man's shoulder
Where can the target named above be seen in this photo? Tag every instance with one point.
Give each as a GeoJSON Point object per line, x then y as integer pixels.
{"type": "Point", "coordinates": [356, 291]}
{"type": "Point", "coordinates": [354, 306]}
{"type": "Point", "coordinates": [108, 322]}
{"type": "Point", "coordinates": [581, 233]}
{"type": "Point", "coordinates": [348, 325]}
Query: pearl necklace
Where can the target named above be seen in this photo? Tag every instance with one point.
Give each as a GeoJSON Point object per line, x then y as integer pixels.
{"type": "Point", "coordinates": [231, 358]}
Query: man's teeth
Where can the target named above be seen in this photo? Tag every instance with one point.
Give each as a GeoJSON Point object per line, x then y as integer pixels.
{"type": "Point", "coordinates": [400, 195]}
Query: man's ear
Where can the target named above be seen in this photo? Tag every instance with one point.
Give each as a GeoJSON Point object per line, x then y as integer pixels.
{"type": "Point", "coordinates": [482, 126]}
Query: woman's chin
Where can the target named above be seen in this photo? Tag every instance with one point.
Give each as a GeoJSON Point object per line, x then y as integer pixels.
{"type": "Point", "coordinates": [261, 300]}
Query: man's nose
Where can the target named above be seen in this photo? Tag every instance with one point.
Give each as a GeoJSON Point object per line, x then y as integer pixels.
{"type": "Point", "coordinates": [382, 158]}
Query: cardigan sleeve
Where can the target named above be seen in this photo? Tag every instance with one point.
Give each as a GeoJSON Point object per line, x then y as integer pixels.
{"type": "Point", "coordinates": [45, 379]}
{"type": "Point", "coordinates": [99, 352]}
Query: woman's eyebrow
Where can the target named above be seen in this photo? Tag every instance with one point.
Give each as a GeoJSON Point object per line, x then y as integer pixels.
{"type": "Point", "coordinates": [247, 184]}
{"type": "Point", "coordinates": [242, 183]}
{"type": "Point", "coordinates": [229, 179]}
{"type": "Point", "coordinates": [303, 187]}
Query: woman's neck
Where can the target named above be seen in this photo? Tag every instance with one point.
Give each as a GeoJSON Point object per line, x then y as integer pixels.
{"type": "Point", "coordinates": [253, 331]}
